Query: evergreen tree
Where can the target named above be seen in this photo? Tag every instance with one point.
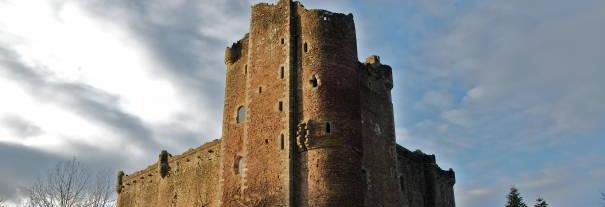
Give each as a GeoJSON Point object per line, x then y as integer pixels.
{"type": "Point", "coordinates": [514, 199]}
{"type": "Point", "coordinates": [541, 203]}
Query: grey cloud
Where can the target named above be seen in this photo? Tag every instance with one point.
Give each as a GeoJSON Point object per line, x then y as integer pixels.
{"type": "Point", "coordinates": [21, 165]}
{"type": "Point", "coordinates": [88, 102]}
{"type": "Point", "coordinates": [20, 127]}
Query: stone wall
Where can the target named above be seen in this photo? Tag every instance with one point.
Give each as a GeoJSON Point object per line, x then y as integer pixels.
{"type": "Point", "coordinates": [422, 182]}
{"type": "Point", "coordinates": [378, 133]}
{"type": "Point", "coordinates": [190, 179]}
{"type": "Point", "coordinates": [330, 151]}
{"type": "Point", "coordinates": [256, 165]}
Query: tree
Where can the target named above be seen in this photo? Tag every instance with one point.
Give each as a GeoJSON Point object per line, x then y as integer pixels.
{"type": "Point", "coordinates": [69, 185]}
{"type": "Point", "coordinates": [540, 202]}
{"type": "Point", "coordinates": [514, 199]}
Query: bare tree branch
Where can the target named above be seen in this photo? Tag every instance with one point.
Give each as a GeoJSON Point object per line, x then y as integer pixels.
{"type": "Point", "coordinates": [69, 185]}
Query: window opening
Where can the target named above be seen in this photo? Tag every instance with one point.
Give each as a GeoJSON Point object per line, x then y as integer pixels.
{"type": "Point", "coordinates": [281, 141]}
{"type": "Point", "coordinates": [241, 114]}
{"type": "Point", "coordinates": [328, 128]}
{"type": "Point", "coordinates": [260, 89]}
{"type": "Point", "coordinates": [281, 72]}
{"type": "Point", "coordinates": [314, 82]}
{"type": "Point", "coordinates": [283, 41]}
{"type": "Point", "coordinates": [306, 47]}
{"type": "Point", "coordinates": [364, 175]}
{"type": "Point", "coordinates": [238, 165]}
{"type": "Point", "coordinates": [245, 69]}
{"type": "Point", "coordinates": [280, 106]}
{"type": "Point", "coordinates": [401, 182]}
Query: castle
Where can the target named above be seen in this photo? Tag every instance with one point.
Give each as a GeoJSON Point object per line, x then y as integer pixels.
{"type": "Point", "coordinates": [305, 124]}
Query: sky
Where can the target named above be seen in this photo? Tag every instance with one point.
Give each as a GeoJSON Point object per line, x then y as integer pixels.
{"type": "Point", "coordinates": [505, 92]}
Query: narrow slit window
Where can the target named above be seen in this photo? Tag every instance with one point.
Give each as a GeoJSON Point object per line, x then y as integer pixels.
{"type": "Point", "coordinates": [401, 183]}
{"type": "Point", "coordinates": [281, 141]}
{"type": "Point", "coordinates": [238, 165]}
{"type": "Point", "coordinates": [241, 114]}
{"type": "Point", "coordinates": [283, 41]}
{"type": "Point", "coordinates": [328, 128]}
{"type": "Point", "coordinates": [245, 69]}
{"type": "Point", "coordinates": [306, 47]}
{"type": "Point", "coordinates": [280, 106]}
{"type": "Point", "coordinates": [260, 89]}
{"type": "Point", "coordinates": [313, 81]}
{"type": "Point", "coordinates": [281, 72]}
{"type": "Point", "coordinates": [364, 175]}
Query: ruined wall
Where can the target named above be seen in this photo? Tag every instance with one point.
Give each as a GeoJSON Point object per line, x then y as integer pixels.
{"type": "Point", "coordinates": [422, 182]}
{"type": "Point", "coordinates": [190, 179]}
{"type": "Point", "coordinates": [329, 112]}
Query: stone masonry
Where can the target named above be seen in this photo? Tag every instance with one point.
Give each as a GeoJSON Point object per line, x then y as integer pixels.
{"type": "Point", "coordinates": [305, 124]}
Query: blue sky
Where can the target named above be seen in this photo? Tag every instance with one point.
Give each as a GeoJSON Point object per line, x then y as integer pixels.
{"type": "Point", "coordinates": [506, 92]}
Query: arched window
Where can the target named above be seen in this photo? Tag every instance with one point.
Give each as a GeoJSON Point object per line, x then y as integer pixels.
{"type": "Point", "coordinates": [238, 165]}
{"type": "Point", "coordinates": [241, 114]}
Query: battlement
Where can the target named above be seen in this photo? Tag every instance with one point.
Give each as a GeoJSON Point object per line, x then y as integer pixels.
{"type": "Point", "coordinates": [429, 160]}
{"type": "Point", "coordinates": [207, 151]}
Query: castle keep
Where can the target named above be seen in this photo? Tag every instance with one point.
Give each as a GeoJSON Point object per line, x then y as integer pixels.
{"type": "Point", "coordinates": [305, 124]}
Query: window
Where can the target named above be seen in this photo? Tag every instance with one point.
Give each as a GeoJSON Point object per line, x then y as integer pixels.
{"type": "Point", "coordinates": [280, 106]}
{"type": "Point", "coordinates": [260, 89]}
{"type": "Point", "coordinates": [281, 141]}
{"type": "Point", "coordinates": [283, 41]}
{"type": "Point", "coordinates": [245, 69]}
{"type": "Point", "coordinates": [313, 81]}
{"type": "Point", "coordinates": [328, 128]}
{"type": "Point", "coordinates": [241, 114]}
{"type": "Point", "coordinates": [401, 183]}
{"type": "Point", "coordinates": [281, 72]}
{"type": "Point", "coordinates": [238, 165]}
{"type": "Point", "coordinates": [364, 177]}
{"type": "Point", "coordinates": [306, 47]}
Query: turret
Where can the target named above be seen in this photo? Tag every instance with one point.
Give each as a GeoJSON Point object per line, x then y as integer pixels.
{"type": "Point", "coordinates": [329, 138]}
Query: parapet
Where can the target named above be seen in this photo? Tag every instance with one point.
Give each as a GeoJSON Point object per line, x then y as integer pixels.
{"type": "Point", "coordinates": [162, 167]}
{"type": "Point", "coordinates": [377, 72]}
{"type": "Point", "coordinates": [428, 160]}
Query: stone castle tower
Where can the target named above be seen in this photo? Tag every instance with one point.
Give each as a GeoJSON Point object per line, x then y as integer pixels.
{"type": "Point", "coordinates": [305, 124]}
